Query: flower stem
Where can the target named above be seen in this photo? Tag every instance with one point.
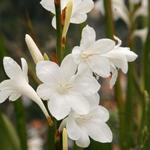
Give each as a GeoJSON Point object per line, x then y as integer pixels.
{"type": "Point", "coordinates": [110, 30]}
{"type": "Point", "coordinates": [145, 143]}
{"type": "Point", "coordinates": [58, 29]}
{"type": "Point", "coordinates": [21, 123]}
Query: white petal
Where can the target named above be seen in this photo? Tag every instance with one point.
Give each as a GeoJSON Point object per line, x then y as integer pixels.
{"type": "Point", "coordinates": [54, 22]}
{"type": "Point", "coordinates": [6, 85]}
{"type": "Point", "coordinates": [94, 100]}
{"type": "Point", "coordinates": [68, 67]}
{"type": "Point", "coordinates": [12, 69]}
{"type": "Point", "coordinates": [48, 5]}
{"type": "Point", "coordinates": [59, 107]}
{"type": "Point", "coordinates": [99, 65]}
{"type": "Point", "coordinates": [102, 46]}
{"type": "Point", "coordinates": [118, 59]}
{"type": "Point", "coordinates": [78, 18]}
{"type": "Point", "coordinates": [14, 96]}
{"type": "Point", "coordinates": [83, 6]}
{"type": "Point", "coordinates": [89, 83]}
{"type": "Point", "coordinates": [84, 140]}
{"type": "Point", "coordinates": [4, 95]}
{"type": "Point", "coordinates": [78, 103]}
{"type": "Point", "coordinates": [76, 54]}
{"type": "Point", "coordinates": [99, 113]}
{"type": "Point", "coordinates": [47, 71]}
{"type": "Point", "coordinates": [24, 68]}
{"type": "Point", "coordinates": [74, 131]}
{"type": "Point", "coordinates": [44, 91]}
{"type": "Point", "coordinates": [131, 56]}
{"type": "Point", "coordinates": [88, 37]}
{"type": "Point", "coordinates": [99, 132]}
{"type": "Point", "coordinates": [113, 78]}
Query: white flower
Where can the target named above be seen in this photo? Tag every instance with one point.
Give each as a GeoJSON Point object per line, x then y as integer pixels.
{"type": "Point", "coordinates": [93, 125]}
{"type": "Point", "coordinates": [102, 55]}
{"type": "Point", "coordinates": [34, 50]}
{"type": "Point", "coordinates": [17, 85]}
{"type": "Point", "coordinates": [79, 12]}
{"type": "Point", "coordinates": [65, 89]}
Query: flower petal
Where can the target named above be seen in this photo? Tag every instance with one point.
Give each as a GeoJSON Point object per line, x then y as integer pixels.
{"type": "Point", "coordinates": [84, 140]}
{"type": "Point", "coordinates": [99, 65]}
{"type": "Point", "coordinates": [11, 68]}
{"type": "Point", "coordinates": [47, 71]}
{"type": "Point", "coordinates": [48, 5]}
{"type": "Point", "coordinates": [88, 37]}
{"type": "Point", "coordinates": [83, 6]}
{"type": "Point", "coordinates": [74, 131]}
{"type": "Point", "coordinates": [14, 96]}
{"type": "Point", "coordinates": [54, 22]}
{"type": "Point", "coordinates": [68, 67]}
{"type": "Point", "coordinates": [102, 46]}
{"type": "Point", "coordinates": [44, 91]}
{"type": "Point", "coordinates": [58, 106]}
{"type": "Point", "coordinates": [99, 113]}
{"type": "Point", "coordinates": [78, 103]}
{"type": "Point", "coordinates": [24, 68]}
{"type": "Point", "coordinates": [76, 54]}
{"type": "Point", "coordinates": [99, 132]}
{"type": "Point", "coordinates": [4, 95]}
{"type": "Point", "coordinates": [78, 18]}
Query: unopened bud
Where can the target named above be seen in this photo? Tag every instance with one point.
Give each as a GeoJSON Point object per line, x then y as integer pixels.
{"type": "Point", "coordinates": [34, 50]}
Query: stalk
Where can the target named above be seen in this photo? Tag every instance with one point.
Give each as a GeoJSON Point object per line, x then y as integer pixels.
{"type": "Point", "coordinates": [110, 30]}
{"type": "Point", "coordinates": [21, 123]}
{"type": "Point", "coordinates": [145, 129]}
{"type": "Point", "coordinates": [58, 30]}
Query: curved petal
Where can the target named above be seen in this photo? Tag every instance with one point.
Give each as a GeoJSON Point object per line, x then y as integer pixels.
{"type": "Point", "coordinates": [113, 77]}
{"type": "Point", "coordinates": [99, 132]}
{"type": "Point", "coordinates": [99, 114]}
{"type": "Point", "coordinates": [48, 5]}
{"type": "Point", "coordinates": [11, 68]}
{"type": "Point", "coordinates": [6, 85]}
{"type": "Point", "coordinates": [88, 37]}
{"type": "Point", "coordinates": [78, 103]}
{"type": "Point", "coordinates": [47, 71]}
{"type": "Point", "coordinates": [68, 67]}
{"type": "Point", "coordinates": [119, 60]}
{"type": "Point", "coordinates": [4, 95]}
{"type": "Point", "coordinates": [76, 54]}
{"type": "Point", "coordinates": [74, 131]}
{"type": "Point", "coordinates": [54, 22]}
{"type": "Point", "coordinates": [24, 68]}
{"type": "Point", "coordinates": [83, 6]}
{"type": "Point", "coordinates": [102, 46]}
{"type": "Point", "coordinates": [14, 96]}
{"type": "Point", "coordinates": [58, 107]}
{"type": "Point", "coordinates": [94, 100]}
{"type": "Point", "coordinates": [84, 140]}
{"type": "Point", "coordinates": [99, 65]}
{"type": "Point", "coordinates": [44, 91]}
{"type": "Point", "coordinates": [82, 85]}
{"type": "Point", "coordinates": [78, 18]}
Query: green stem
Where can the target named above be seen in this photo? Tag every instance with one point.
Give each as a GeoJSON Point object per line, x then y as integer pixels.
{"type": "Point", "coordinates": [21, 123]}
{"type": "Point", "coordinates": [58, 30]}
{"type": "Point", "coordinates": [145, 142]}
{"type": "Point", "coordinates": [110, 30]}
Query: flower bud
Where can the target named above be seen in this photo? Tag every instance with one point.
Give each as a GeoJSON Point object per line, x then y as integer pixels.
{"type": "Point", "coordinates": [34, 50]}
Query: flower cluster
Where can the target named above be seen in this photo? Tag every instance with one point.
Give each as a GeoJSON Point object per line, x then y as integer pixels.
{"type": "Point", "coordinates": [71, 89]}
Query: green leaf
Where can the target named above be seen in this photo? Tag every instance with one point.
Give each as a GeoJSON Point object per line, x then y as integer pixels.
{"type": "Point", "coordinates": [8, 136]}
